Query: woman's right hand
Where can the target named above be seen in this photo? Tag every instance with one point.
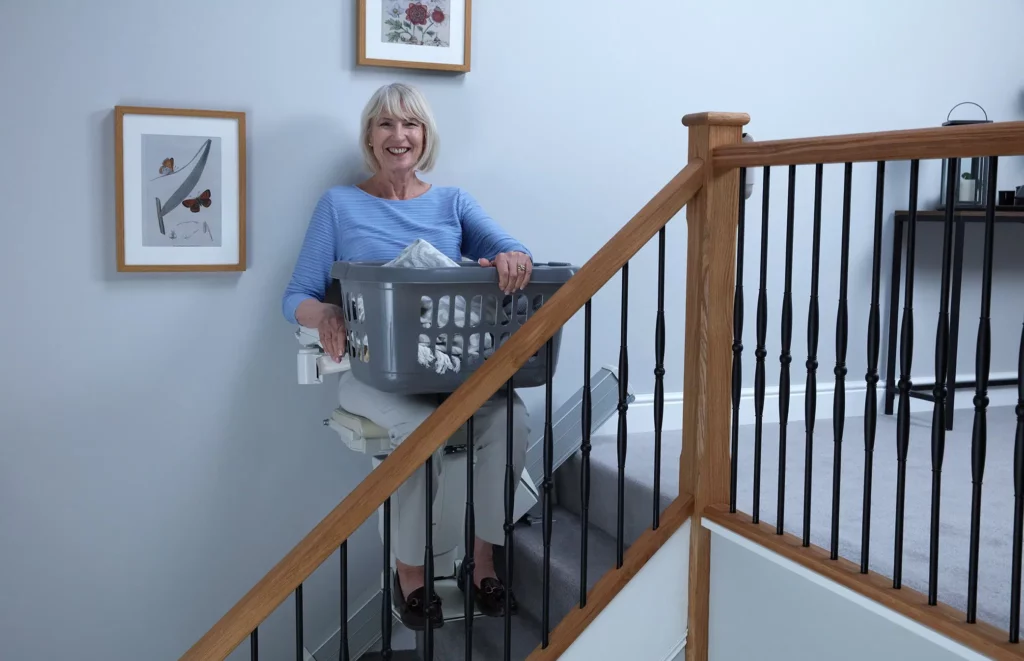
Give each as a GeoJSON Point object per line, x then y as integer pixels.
{"type": "Point", "coordinates": [332, 332]}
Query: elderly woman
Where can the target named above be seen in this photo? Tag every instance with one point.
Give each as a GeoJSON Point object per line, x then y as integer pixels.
{"type": "Point", "coordinates": [376, 220]}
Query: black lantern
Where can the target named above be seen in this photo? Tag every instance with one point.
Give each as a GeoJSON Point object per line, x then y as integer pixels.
{"type": "Point", "coordinates": [972, 179]}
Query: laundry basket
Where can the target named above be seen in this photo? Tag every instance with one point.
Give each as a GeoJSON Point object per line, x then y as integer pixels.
{"type": "Point", "coordinates": [426, 330]}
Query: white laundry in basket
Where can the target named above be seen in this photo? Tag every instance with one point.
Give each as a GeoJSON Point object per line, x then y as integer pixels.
{"type": "Point", "coordinates": [421, 254]}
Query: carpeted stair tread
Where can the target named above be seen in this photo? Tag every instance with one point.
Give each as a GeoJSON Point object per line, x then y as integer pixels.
{"type": "Point", "coordinates": [488, 639]}
{"type": "Point", "coordinates": [639, 481]}
{"type": "Point", "coordinates": [566, 537]}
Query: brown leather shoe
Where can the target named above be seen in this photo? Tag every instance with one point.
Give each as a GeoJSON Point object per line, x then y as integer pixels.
{"type": "Point", "coordinates": [490, 596]}
{"type": "Point", "coordinates": [413, 610]}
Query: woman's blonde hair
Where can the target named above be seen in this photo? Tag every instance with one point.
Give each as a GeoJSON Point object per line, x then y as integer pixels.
{"type": "Point", "coordinates": [402, 102]}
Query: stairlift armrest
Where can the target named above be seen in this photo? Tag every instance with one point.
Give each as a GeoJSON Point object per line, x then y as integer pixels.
{"type": "Point", "coordinates": [313, 363]}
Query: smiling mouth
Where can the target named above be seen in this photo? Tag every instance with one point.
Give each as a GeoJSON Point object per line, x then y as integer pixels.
{"type": "Point", "coordinates": [397, 151]}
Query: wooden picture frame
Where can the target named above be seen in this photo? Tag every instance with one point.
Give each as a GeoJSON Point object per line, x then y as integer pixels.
{"type": "Point", "coordinates": [180, 189]}
{"type": "Point", "coordinates": [406, 34]}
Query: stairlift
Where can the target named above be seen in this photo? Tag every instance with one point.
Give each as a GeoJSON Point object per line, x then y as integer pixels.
{"type": "Point", "coordinates": [363, 436]}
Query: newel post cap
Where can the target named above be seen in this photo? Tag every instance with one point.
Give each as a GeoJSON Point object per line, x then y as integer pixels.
{"type": "Point", "coordinates": [716, 119]}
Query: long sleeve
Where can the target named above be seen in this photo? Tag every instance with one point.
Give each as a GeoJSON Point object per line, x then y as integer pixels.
{"type": "Point", "coordinates": [312, 273]}
{"type": "Point", "coordinates": [481, 235]}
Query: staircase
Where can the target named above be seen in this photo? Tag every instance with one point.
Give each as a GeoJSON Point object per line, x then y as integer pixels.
{"type": "Point", "coordinates": [622, 528]}
{"type": "Point", "coordinates": [567, 534]}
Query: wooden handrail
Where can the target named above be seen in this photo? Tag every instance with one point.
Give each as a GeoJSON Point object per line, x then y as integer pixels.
{"type": "Point", "coordinates": [282, 580]}
{"type": "Point", "coordinates": [965, 141]}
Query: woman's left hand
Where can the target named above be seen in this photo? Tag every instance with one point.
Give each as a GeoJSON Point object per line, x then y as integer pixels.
{"type": "Point", "coordinates": [514, 270]}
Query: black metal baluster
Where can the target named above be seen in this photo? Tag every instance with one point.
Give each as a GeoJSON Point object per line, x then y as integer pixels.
{"type": "Point", "coordinates": [385, 606]}
{"type": "Point", "coordinates": [939, 388]}
{"type": "Point", "coordinates": [585, 448]}
{"type": "Point", "coordinates": [343, 651]}
{"type": "Point", "coordinates": [546, 485]}
{"type": "Point", "coordinates": [623, 406]}
{"type": "Point", "coordinates": [1018, 500]}
{"type": "Point", "coordinates": [982, 361]}
{"type": "Point", "coordinates": [737, 346]}
{"type": "Point", "coordinates": [510, 496]}
{"type": "Point", "coordinates": [659, 377]}
{"type": "Point", "coordinates": [254, 645]}
{"type": "Point", "coordinates": [811, 396]}
{"type": "Point", "coordinates": [842, 327]}
{"type": "Point", "coordinates": [428, 561]}
{"type": "Point", "coordinates": [760, 353]}
{"type": "Point", "coordinates": [871, 377]}
{"type": "Point", "coordinates": [785, 357]}
{"type": "Point", "coordinates": [469, 563]}
{"type": "Point", "coordinates": [299, 649]}
{"type": "Point", "coordinates": [906, 360]}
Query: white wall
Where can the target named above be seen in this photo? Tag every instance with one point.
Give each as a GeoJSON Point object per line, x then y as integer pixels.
{"type": "Point", "coordinates": [630, 627]}
{"type": "Point", "coordinates": [157, 457]}
{"type": "Point", "coordinates": [766, 607]}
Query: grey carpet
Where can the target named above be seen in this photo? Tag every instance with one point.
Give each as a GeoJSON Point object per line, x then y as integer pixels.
{"type": "Point", "coordinates": [996, 510]}
{"type": "Point", "coordinates": [639, 480]}
{"type": "Point", "coordinates": [528, 572]}
{"type": "Point", "coordinates": [488, 639]}
{"type": "Point", "coordinates": [566, 538]}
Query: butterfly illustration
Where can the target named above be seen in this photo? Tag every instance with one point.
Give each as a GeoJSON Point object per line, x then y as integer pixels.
{"type": "Point", "coordinates": [167, 167]}
{"type": "Point", "coordinates": [194, 203]}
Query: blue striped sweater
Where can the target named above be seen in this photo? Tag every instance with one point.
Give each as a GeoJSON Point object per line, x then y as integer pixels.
{"type": "Point", "coordinates": [349, 224]}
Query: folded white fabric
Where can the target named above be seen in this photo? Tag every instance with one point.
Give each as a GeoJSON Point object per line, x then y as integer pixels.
{"type": "Point", "coordinates": [421, 254]}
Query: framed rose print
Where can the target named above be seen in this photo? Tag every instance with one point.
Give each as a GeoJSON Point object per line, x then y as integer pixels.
{"type": "Point", "coordinates": [415, 34]}
{"type": "Point", "coordinates": [180, 189]}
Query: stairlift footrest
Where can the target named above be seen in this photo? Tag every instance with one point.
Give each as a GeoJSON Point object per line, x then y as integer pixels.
{"type": "Point", "coordinates": [360, 436]}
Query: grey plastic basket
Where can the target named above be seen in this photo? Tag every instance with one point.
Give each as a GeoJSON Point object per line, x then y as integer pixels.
{"type": "Point", "coordinates": [394, 314]}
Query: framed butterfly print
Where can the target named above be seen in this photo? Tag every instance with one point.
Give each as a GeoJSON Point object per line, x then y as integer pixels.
{"type": "Point", "coordinates": [180, 189]}
{"type": "Point", "coordinates": [415, 34]}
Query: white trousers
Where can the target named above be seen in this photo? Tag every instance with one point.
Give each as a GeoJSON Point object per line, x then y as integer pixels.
{"type": "Point", "coordinates": [401, 415]}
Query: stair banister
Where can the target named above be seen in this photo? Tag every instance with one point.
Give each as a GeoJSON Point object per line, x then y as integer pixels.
{"type": "Point", "coordinates": [704, 466]}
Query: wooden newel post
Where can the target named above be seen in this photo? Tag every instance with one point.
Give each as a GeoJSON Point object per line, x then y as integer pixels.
{"type": "Point", "coordinates": [711, 218]}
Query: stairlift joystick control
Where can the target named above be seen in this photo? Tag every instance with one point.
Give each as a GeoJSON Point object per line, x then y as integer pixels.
{"type": "Point", "coordinates": [313, 363]}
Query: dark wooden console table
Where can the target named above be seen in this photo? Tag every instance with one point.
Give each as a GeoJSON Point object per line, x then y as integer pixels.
{"type": "Point", "coordinates": [960, 219]}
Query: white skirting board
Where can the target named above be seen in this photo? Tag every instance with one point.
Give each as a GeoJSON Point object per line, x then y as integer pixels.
{"type": "Point", "coordinates": [364, 632]}
{"type": "Point", "coordinates": [641, 411]}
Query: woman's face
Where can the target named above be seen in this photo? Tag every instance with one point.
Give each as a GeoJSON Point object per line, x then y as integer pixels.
{"type": "Point", "coordinates": [397, 143]}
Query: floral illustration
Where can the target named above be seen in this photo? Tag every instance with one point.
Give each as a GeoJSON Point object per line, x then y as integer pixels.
{"type": "Point", "coordinates": [416, 22]}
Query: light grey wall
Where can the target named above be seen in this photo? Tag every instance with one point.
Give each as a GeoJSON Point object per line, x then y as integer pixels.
{"type": "Point", "coordinates": [157, 457]}
{"type": "Point", "coordinates": [810, 69]}
{"type": "Point", "coordinates": [761, 610]}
